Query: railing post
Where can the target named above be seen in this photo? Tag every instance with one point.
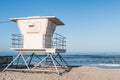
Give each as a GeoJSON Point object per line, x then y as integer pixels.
{"type": "Point", "coordinates": [17, 41]}
{"type": "Point", "coordinates": [59, 41]}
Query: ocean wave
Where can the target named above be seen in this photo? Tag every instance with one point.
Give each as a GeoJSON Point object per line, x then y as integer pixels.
{"type": "Point", "coordinates": [106, 65]}
{"type": "Point", "coordinates": [111, 65]}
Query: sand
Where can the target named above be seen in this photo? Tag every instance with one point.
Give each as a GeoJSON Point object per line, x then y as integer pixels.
{"type": "Point", "coordinates": [76, 73]}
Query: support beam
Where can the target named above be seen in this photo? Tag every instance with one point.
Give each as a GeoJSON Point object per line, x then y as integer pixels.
{"type": "Point", "coordinates": [54, 63]}
{"type": "Point", "coordinates": [62, 60]}
{"type": "Point", "coordinates": [18, 56]}
{"type": "Point", "coordinates": [31, 56]}
{"type": "Point", "coordinates": [11, 62]}
{"type": "Point", "coordinates": [24, 61]}
{"type": "Point", "coordinates": [40, 61]}
{"type": "Point", "coordinates": [54, 60]}
{"type": "Point", "coordinates": [18, 61]}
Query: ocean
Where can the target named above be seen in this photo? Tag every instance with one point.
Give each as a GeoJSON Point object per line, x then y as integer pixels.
{"type": "Point", "coordinates": [103, 60]}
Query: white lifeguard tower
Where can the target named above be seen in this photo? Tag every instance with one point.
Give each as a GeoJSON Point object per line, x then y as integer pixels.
{"type": "Point", "coordinates": [37, 36]}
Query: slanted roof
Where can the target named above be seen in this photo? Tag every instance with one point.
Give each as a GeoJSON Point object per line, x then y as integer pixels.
{"type": "Point", "coordinates": [51, 18]}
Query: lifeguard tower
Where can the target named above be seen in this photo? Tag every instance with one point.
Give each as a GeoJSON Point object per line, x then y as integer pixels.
{"type": "Point", "coordinates": [37, 36]}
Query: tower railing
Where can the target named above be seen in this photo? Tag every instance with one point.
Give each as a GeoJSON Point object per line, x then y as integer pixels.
{"type": "Point", "coordinates": [17, 41]}
{"type": "Point", "coordinates": [57, 41]}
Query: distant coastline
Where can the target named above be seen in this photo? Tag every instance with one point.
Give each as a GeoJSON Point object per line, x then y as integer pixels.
{"type": "Point", "coordinates": [68, 53]}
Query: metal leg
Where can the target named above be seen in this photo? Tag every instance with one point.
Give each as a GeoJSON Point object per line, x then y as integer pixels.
{"type": "Point", "coordinates": [27, 59]}
{"type": "Point", "coordinates": [11, 62]}
{"type": "Point", "coordinates": [40, 62]}
{"type": "Point", "coordinates": [31, 58]}
{"type": "Point", "coordinates": [62, 60]}
{"type": "Point", "coordinates": [54, 62]}
{"type": "Point", "coordinates": [24, 61]}
{"type": "Point", "coordinates": [18, 61]}
{"type": "Point", "coordinates": [54, 57]}
{"type": "Point", "coordinates": [38, 57]}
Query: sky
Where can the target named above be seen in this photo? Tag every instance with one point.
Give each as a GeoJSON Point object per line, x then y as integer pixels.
{"type": "Point", "coordinates": [90, 25]}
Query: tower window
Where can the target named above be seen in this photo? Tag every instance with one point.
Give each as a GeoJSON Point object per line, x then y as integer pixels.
{"type": "Point", "coordinates": [31, 25]}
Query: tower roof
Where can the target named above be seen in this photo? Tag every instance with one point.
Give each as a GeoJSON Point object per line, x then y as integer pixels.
{"type": "Point", "coordinates": [51, 18]}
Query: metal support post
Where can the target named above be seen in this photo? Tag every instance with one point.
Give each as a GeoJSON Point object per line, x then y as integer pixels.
{"type": "Point", "coordinates": [40, 62]}
{"type": "Point", "coordinates": [11, 62]}
{"type": "Point", "coordinates": [31, 56]}
{"type": "Point", "coordinates": [62, 60]}
{"type": "Point", "coordinates": [24, 61]}
{"type": "Point", "coordinates": [54, 63]}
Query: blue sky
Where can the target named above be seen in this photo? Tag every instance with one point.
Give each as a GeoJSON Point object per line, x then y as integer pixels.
{"type": "Point", "coordinates": [90, 25]}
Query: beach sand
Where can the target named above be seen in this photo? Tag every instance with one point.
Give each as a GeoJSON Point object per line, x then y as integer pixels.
{"type": "Point", "coordinates": [76, 73]}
